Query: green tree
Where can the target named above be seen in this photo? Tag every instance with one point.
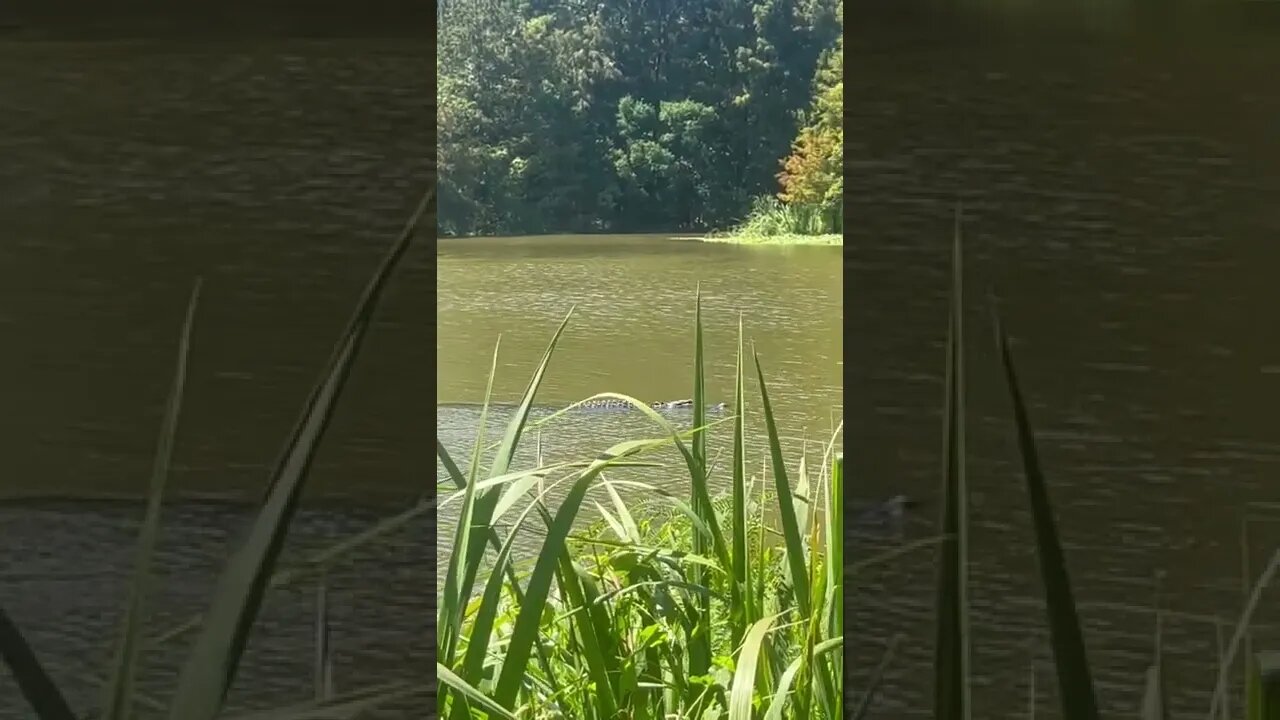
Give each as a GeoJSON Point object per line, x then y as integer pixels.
{"type": "Point", "coordinates": [814, 172]}
{"type": "Point", "coordinates": [567, 115]}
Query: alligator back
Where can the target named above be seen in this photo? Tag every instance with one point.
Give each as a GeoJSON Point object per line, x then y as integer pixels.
{"type": "Point", "coordinates": [616, 404]}
{"type": "Point", "coordinates": [602, 404]}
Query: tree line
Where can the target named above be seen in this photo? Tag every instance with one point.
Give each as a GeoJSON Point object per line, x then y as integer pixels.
{"type": "Point", "coordinates": [633, 115]}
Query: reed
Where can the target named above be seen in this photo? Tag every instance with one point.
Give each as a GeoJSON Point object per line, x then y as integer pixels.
{"type": "Point", "coordinates": [772, 221]}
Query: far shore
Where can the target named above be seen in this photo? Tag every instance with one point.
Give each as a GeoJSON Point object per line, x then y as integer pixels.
{"type": "Point", "coordinates": [786, 239]}
{"type": "Point", "coordinates": [829, 239]}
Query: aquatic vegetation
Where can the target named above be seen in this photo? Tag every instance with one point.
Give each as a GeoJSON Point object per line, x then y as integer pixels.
{"type": "Point", "coordinates": [774, 221]}
{"type": "Point", "coordinates": [701, 612]}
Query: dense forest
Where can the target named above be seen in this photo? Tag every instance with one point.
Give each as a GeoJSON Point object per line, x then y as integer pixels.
{"type": "Point", "coordinates": [634, 115]}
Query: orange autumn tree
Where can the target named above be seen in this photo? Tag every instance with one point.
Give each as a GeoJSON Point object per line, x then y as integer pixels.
{"type": "Point", "coordinates": [814, 172]}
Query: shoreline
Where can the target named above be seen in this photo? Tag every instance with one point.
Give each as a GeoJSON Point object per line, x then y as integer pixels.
{"type": "Point", "coordinates": [829, 240]}
{"type": "Point", "coordinates": [826, 239]}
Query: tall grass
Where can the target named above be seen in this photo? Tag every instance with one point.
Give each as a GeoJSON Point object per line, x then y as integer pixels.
{"type": "Point", "coordinates": [770, 217]}
{"type": "Point", "coordinates": [643, 614]}
{"type": "Point", "coordinates": [951, 660]}
{"type": "Point", "coordinates": [676, 606]}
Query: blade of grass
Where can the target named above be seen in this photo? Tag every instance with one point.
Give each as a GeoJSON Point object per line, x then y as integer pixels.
{"type": "Point", "coordinates": [761, 548]}
{"type": "Point", "coordinates": [800, 495]}
{"type": "Point", "coordinates": [490, 604]}
{"type": "Point", "coordinates": [600, 651]}
{"type": "Point", "coordinates": [486, 502]}
{"type": "Point", "coordinates": [471, 694]}
{"type": "Point", "coordinates": [323, 670]}
{"type": "Point", "coordinates": [1263, 690]}
{"type": "Point", "coordinates": [740, 602]}
{"type": "Point", "coordinates": [480, 630]}
{"type": "Point", "coordinates": [821, 669]}
{"type": "Point", "coordinates": [877, 679]}
{"type": "Point", "coordinates": [1154, 705]}
{"type": "Point", "coordinates": [360, 319]}
{"type": "Point", "coordinates": [778, 702]}
{"type": "Point", "coordinates": [629, 527]}
{"type": "Point", "coordinates": [613, 522]}
{"type": "Point", "coordinates": [1246, 557]}
{"type": "Point", "coordinates": [453, 602]}
{"type": "Point", "coordinates": [1075, 682]}
{"type": "Point", "coordinates": [1222, 654]}
{"type": "Point", "coordinates": [41, 693]}
{"type": "Point", "coordinates": [744, 676]}
{"type": "Point", "coordinates": [211, 667]}
{"type": "Point", "coordinates": [834, 527]}
{"type": "Point", "coordinates": [118, 703]}
{"type": "Point", "coordinates": [1242, 629]}
{"type": "Point", "coordinates": [951, 653]}
{"type": "Point", "coordinates": [800, 577]}
{"type": "Point", "coordinates": [835, 543]}
{"type": "Point", "coordinates": [787, 511]}
{"type": "Point", "coordinates": [700, 645]}
{"type": "Point", "coordinates": [212, 664]}
{"type": "Point", "coordinates": [502, 576]}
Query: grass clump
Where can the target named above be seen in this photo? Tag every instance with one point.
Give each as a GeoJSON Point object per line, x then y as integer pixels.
{"type": "Point", "coordinates": [694, 606]}
{"type": "Point", "coordinates": [774, 222]}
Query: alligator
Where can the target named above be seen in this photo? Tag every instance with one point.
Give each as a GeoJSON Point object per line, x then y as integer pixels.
{"type": "Point", "coordinates": [606, 404]}
{"type": "Point", "coordinates": [616, 404]}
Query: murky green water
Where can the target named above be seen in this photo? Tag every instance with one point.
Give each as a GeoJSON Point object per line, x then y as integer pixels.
{"type": "Point", "coordinates": [632, 329]}
{"type": "Point", "coordinates": [278, 169]}
{"type": "Point", "coordinates": [632, 333]}
{"type": "Point", "coordinates": [1118, 196]}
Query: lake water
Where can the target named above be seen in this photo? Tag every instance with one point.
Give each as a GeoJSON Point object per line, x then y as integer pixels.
{"type": "Point", "coordinates": [632, 333]}
{"type": "Point", "coordinates": [279, 170]}
{"type": "Point", "coordinates": [1119, 197]}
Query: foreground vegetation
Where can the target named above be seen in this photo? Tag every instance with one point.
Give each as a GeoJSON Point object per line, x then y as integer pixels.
{"type": "Point", "coordinates": [713, 608]}
{"type": "Point", "coordinates": [708, 610]}
{"type": "Point", "coordinates": [679, 620]}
